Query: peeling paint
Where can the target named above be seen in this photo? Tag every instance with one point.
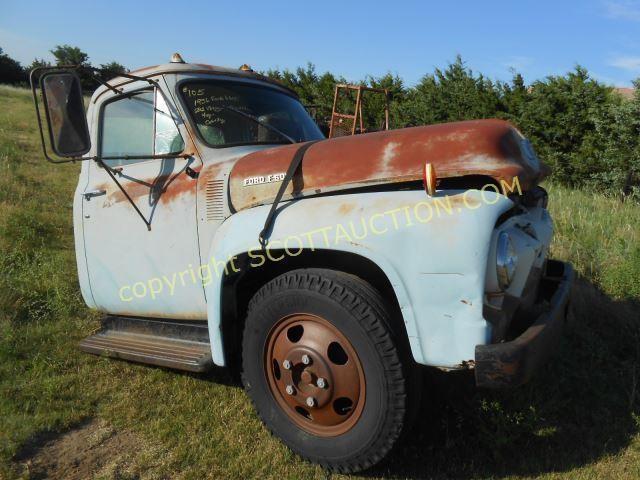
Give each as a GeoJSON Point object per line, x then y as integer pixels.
{"type": "Point", "coordinates": [479, 147]}
{"type": "Point", "coordinates": [388, 155]}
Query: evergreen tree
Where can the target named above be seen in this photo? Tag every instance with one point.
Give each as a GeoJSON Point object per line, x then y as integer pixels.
{"type": "Point", "coordinates": [10, 70]}
{"type": "Point", "coordinates": [111, 70]}
{"type": "Point", "coordinates": [37, 63]}
{"type": "Point", "coordinates": [560, 118]}
{"type": "Point", "coordinates": [616, 147]}
{"type": "Point", "coordinates": [453, 94]}
{"type": "Point", "coordinates": [66, 55]}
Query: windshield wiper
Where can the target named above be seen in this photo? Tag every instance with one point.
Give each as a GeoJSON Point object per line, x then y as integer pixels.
{"type": "Point", "coordinates": [260, 122]}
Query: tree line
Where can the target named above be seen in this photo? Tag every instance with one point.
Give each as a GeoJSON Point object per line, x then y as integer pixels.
{"type": "Point", "coordinates": [13, 73]}
{"type": "Point", "coordinates": [587, 132]}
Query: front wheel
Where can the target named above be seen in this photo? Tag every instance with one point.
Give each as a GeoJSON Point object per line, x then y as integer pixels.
{"type": "Point", "coordinates": [323, 368]}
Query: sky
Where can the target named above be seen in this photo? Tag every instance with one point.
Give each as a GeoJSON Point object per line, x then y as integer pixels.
{"type": "Point", "coordinates": [352, 39]}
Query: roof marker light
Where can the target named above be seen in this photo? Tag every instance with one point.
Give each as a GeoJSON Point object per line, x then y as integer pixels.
{"type": "Point", "coordinates": [177, 58]}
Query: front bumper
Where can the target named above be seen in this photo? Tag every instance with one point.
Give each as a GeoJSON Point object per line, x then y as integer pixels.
{"type": "Point", "coordinates": [510, 364]}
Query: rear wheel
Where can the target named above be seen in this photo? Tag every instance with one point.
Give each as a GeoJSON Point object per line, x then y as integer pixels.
{"type": "Point", "coordinates": [323, 368]}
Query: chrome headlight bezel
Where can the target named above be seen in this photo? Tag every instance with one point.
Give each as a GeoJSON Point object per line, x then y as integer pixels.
{"type": "Point", "coordinates": [506, 260]}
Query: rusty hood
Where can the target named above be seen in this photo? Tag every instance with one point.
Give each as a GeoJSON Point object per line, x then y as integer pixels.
{"type": "Point", "coordinates": [492, 148]}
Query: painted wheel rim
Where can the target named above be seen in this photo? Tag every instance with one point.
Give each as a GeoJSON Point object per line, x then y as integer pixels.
{"type": "Point", "coordinates": [314, 374]}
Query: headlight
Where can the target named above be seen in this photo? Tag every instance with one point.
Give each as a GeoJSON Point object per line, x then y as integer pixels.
{"type": "Point", "coordinates": [506, 260]}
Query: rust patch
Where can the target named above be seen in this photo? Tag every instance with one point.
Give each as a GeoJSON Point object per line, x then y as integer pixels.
{"type": "Point", "coordinates": [460, 201]}
{"type": "Point", "coordinates": [161, 189]}
{"type": "Point", "coordinates": [346, 208]}
{"type": "Point", "coordinates": [478, 147]}
{"type": "Point", "coordinates": [211, 172]}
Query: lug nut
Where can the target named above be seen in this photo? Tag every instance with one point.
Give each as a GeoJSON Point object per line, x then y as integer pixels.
{"type": "Point", "coordinates": [306, 359]}
{"type": "Point", "coordinates": [321, 382]}
{"type": "Point", "coordinates": [287, 365]}
{"type": "Point", "coordinates": [290, 389]}
{"type": "Point", "coordinates": [311, 402]}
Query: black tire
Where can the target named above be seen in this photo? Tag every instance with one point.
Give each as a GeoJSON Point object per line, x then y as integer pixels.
{"type": "Point", "coordinates": [359, 312]}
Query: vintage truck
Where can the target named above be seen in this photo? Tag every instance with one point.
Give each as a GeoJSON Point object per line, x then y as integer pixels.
{"type": "Point", "coordinates": [215, 226]}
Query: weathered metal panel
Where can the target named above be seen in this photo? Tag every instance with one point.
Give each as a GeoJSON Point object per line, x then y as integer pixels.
{"type": "Point", "coordinates": [124, 260]}
{"type": "Point", "coordinates": [180, 345]}
{"type": "Point", "coordinates": [78, 216]}
{"type": "Point", "coordinates": [216, 167]}
{"type": "Point", "coordinates": [512, 363]}
{"type": "Point", "coordinates": [169, 69]}
{"type": "Point", "coordinates": [437, 268]}
{"type": "Point", "coordinates": [481, 147]}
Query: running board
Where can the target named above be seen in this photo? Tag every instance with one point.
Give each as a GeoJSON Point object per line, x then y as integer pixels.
{"type": "Point", "coordinates": [165, 343]}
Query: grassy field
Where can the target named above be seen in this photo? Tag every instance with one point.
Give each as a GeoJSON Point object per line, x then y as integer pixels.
{"type": "Point", "coordinates": [580, 417]}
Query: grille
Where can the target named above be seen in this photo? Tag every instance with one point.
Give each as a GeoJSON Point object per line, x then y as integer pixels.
{"type": "Point", "coordinates": [214, 194]}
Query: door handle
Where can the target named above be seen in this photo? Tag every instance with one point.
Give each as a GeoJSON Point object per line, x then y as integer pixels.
{"type": "Point", "coordinates": [93, 193]}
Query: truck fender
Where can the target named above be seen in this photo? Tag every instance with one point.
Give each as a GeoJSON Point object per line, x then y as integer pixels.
{"type": "Point", "coordinates": [433, 251]}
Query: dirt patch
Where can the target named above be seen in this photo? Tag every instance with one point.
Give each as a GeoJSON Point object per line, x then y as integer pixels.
{"type": "Point", "coordinates": [93, 449]}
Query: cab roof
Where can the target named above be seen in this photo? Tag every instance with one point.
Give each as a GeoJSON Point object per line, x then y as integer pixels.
{"type": "Point", "coordinates": [178, 67]}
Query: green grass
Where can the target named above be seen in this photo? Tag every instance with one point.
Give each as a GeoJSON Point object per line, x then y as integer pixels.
{"type": "Point", "coordinates": [579, 417]}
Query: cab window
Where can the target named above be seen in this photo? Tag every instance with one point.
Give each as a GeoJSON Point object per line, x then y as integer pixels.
{"type": "Point", "coordinates": [138, 124]}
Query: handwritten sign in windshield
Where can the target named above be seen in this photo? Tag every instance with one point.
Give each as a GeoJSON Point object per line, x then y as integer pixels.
{"type": "Point", "coordinates": [218, 108]}
{"type": "Point", "coordinates": [207, 105]}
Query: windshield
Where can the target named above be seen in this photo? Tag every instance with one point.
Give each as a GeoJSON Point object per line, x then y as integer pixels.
{"type": "Point", "coordinates": [212, 104]}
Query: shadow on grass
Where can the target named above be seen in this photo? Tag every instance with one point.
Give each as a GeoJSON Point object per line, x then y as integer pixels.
{"type": "Point", "coordinates": [579, 408]}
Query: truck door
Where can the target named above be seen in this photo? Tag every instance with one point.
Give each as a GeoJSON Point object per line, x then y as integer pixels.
{"type": "Point", "coordinates": [134, 270]}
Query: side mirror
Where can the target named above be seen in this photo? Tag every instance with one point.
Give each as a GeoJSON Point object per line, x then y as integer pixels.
{"type": "Point", "coordinates": [64, 109]}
